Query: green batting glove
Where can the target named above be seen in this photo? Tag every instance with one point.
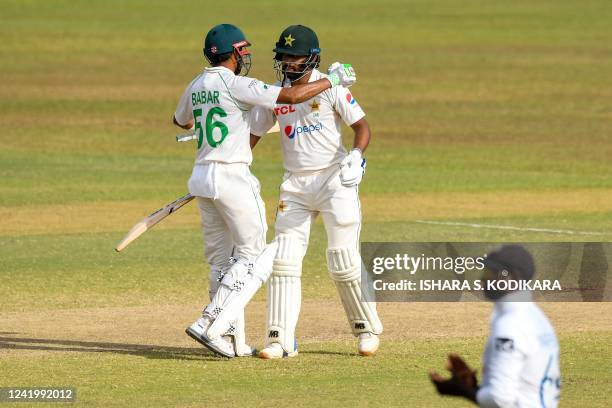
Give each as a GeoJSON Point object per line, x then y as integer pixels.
{"type": "Point", "coordinates": [341, 74]}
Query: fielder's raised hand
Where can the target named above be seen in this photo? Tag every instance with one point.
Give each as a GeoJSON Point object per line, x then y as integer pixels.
{"type": "Point", "coordinates": [463, 382]}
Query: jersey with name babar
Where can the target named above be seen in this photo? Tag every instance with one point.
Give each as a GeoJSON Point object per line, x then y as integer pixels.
{"type": "Point", "coordinates": [220, 103]}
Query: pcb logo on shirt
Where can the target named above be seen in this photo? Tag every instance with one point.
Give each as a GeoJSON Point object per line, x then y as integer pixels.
{"type": "Point", "coordinates": [350, 99]}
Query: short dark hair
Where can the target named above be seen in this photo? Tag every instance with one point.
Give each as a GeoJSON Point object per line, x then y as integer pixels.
{"type": "Point", "coordinates": [217, 59]}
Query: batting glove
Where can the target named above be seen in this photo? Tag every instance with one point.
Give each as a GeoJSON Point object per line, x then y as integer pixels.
{"type": "Point", "coordinates": [341, 74]}
{"type": "Point", "coordinates": [352, 168]}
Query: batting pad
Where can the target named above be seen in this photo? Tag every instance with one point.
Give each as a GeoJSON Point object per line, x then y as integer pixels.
{"type": "Point", "coordinates": [236, 328]}
{"type": "Point", "coordinates": [285, 292]}
{"type": "Point", "coordinates": [237, 288]}
{"type": "Point", "coordinates": [345, 269]}
{"type": "Point", "coordinates": [214, 280]}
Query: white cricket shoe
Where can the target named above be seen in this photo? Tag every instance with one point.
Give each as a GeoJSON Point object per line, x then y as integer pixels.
{"type": "Point", "coordinates": [275, 350]}
{"type": "Point", "coordinates": [368, 344]}
{"type": "Point", "coordinates": [220, 345]}
{"type": "Point", "coordinates": [244, 350]}
{"type": "Point", "coordinates": [197, 328]}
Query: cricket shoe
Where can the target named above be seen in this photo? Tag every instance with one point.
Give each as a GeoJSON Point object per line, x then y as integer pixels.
{"type": "Point", "coordinates": [220, 345]}
{"type": "Point", "coordinates": [237, 339]}
{"type": "Point", "coordinates": [275, 350]}
{"type": "Point", "coordinates": [243, 350]}
{"type": "Point", "coordinates": [368, 344]}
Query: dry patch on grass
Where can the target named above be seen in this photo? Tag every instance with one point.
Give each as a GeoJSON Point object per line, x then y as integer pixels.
{"type": "Point", "coordinates": [145, 328]}
{"type": "Point", "coordinates": [89, 217]}
{"type": "Point", "coordinates": [119, 216]}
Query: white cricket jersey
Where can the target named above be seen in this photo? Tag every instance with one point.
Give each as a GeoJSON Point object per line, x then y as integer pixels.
{"type": "Point", "coordinates": [220, 102]}
{"type": "Point", "coordinates": [311, 131]}
{"type": "Point", "coordinates": [521, 359]}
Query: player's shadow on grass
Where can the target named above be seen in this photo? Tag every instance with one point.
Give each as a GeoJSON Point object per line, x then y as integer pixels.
{"type": "Point", "coordinates": [328, 353]}
{"type": "Point", "coordinates": [141, 350]}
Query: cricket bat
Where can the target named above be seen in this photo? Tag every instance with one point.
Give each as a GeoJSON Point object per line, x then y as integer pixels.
{"type": "Point", "coordinates": [149, 222]}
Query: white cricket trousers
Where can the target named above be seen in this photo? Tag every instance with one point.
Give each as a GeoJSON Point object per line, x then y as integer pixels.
{"type": "Point", "coordinates": [304, 195]}
{"type": "Point", "coordinates": [234, 222]}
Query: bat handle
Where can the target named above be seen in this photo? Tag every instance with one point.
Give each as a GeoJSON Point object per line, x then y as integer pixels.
{"type": "Point", "coordinates": [186, 138]}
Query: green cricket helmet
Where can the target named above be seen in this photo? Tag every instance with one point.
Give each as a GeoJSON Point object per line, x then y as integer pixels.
{"type": "Point", "coordinates": [222, 41]}
{"type": "Point", "coordinates": [297, 41]}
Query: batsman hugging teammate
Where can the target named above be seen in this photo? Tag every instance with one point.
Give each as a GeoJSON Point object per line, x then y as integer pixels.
{"type": "Point", "coordinates": [218, 104]}
{"type": "Point", "coordinates": [320, 177]}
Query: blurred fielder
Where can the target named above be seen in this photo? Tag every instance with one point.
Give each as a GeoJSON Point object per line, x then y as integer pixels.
{"type": "Point", "coordinates": [521, 358]}
{"type": "Point", "coordinates": [217, 103]}
{"type": "Point", "coordinates": [320, 177]}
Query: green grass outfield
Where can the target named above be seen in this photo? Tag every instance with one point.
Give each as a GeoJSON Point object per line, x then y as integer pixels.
{"type": "Point", "coordinates": [482, 112]}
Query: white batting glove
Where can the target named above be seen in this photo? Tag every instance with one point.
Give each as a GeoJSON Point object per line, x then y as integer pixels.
{"type": "Point", "coordinates": [352, 168]}
{"type": "Point", "coordinates": [341, 74]}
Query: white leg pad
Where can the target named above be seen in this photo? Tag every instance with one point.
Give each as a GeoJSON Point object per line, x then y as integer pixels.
{"type": "Point", "coordinates": [237, 327]}
{"type": "Point", "coordinates": [238, 286]}
{"type": "Point", "coordinates": [285, 292]}
{"type": "Point", "coordinates": [345, 269]}
{"type": "Point", "coordinates": [214, 280]}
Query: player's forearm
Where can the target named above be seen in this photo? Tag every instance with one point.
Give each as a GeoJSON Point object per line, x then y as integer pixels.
{"type": "Point", "coordinates": [362, 134]}
{"type": "Point", "coordinates": [303, 92]}
{"type": "Point", "coordinates": [187, 126]}
{"type": "Point", "coordinates": [254, 140]}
